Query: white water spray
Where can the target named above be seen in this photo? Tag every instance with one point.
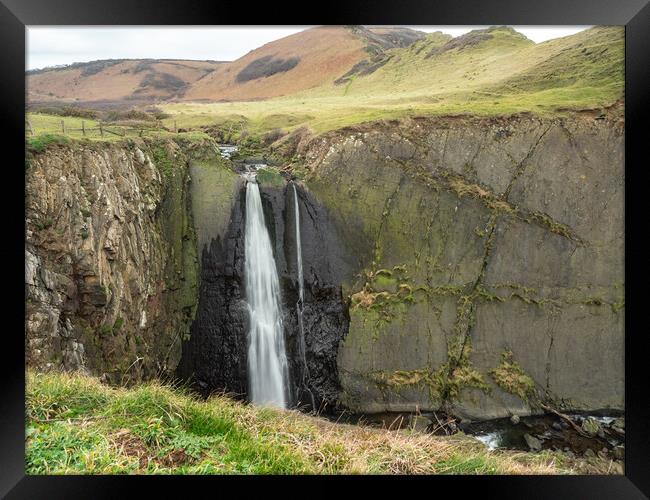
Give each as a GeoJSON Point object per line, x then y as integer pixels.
{"type": "Point", "coordinates": [301, 298]}
{"type": "Point", "coordinates": [267, 360]}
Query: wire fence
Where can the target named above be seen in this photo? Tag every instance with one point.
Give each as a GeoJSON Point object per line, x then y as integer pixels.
{"type": "Point", "coordinates": [96, 130]}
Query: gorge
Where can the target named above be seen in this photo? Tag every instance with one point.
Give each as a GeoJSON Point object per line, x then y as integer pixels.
{"type": "Point", "coordinates": [422, 264]}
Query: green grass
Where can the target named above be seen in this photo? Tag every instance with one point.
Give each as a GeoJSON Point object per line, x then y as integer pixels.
{"type": "Point", "coordinates": [39, 143]}
{"type": "Point", "coordinates": [51, 124]}
{"type": "Point", "coordinates": [501, 76]}
{"type": "Point", "coordinates": [47, 130]}
{"type": "Point", "coordinates": [74, 424]}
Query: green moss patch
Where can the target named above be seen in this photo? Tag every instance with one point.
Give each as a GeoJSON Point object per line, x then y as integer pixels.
{"type": "Point", "coordinates": [270, 177]}
{"type": "Point", "coordinates": [511, 377]}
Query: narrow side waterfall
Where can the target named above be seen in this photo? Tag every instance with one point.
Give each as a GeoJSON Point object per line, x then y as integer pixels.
{"type": "Point", "coordinates": [267, 360]}
{"type": "Point", "coordinates": [301, 298]}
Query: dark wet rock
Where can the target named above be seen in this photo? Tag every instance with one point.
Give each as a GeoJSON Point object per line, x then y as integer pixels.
{"type": "Point", "coordinates": [419, 423]}
{"type": "Point", "coordinates": [216, 353]}
{"type": "Point", "coordinates": [618, 425]}
{"type": "Point", "coordinates": [214, 356]}
{"type": "Point", "coordinates": [557, 426]}
{"type": "Point", "coordinates": [533, 443]}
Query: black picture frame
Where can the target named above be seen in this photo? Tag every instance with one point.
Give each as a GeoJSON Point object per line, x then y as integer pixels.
{"type": "Point", "coordinates": [15, 15]}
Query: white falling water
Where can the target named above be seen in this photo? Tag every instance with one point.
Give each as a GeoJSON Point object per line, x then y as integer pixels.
{"type": "Point", "coordinates": [301, 298]}
{"type": "Point", "coordinates": [301, 289]}
{"type": "Point", "coordinates": [267, 360]}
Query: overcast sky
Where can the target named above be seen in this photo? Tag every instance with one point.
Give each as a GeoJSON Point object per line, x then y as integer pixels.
{"type": "Point", "coordinates": [53, 45]}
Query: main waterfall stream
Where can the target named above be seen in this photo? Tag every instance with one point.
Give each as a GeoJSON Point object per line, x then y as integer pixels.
{"type": "Point", "coordinates": [267, 360]}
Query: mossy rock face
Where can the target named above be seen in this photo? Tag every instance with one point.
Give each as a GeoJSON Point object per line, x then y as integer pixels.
{"type": "Point", "coordinates": [493, 222]}
{"type": "Point", "coordinates": [268, 177]}
{"type": "Point", "coordinates": [213, 192]}
{"type": "Point", "coordinates": [112, 280]}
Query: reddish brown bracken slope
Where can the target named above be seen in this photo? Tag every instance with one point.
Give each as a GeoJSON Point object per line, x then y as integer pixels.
{"type": "Point", "coordinates": [298, 62]}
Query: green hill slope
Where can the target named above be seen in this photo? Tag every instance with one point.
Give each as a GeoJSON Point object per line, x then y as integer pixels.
{"type": "Point", "coordinates": [496, 71]}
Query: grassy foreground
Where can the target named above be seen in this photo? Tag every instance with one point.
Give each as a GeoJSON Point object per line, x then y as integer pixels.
{"type": "Point", "coordinates": [77, 425]}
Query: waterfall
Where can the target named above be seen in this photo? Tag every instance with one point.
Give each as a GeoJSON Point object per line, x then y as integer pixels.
{"type": "Point", "coordinates": [301, 298]}
{"type": "Point", "coordinates": [267, 360]}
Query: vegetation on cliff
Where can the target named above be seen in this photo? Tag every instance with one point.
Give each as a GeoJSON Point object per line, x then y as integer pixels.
{"type": "Point", "coordinates": [77, 425]}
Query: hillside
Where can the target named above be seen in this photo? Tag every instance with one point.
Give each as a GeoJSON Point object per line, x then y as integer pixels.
{"type": "Point", "coordinates": [491, 72]}
{"type": "Point", "coordinates": [116, 80]}
{"type": "Point", "coordinates": [298, 62]}
{"type": "Point", "coordinates": [76, 425]}
{"type": "Point", "coordinates": [292, 64]}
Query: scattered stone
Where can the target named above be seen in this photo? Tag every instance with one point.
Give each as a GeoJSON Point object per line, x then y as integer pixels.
{"type": "Point", "coordinates": [618, 425]}
{"type": "Point", "coordinates": [590, 426]}
{"type": "Point", "coordinates": [617, 468]}
{"type": "Point", "coordinates": [419, 423]}
{"type": "Point", "coordinates": [619, 452]}
{"type": "Point", "coordinates": [139, 156]}
{"type": "Point", "coordinates": [601, 433]}
{"type": "Point", "coordinates": [514, 419]}
{"type": "Point", "coordinates": [603, 454]}
{"type": "Point", "coordinates": [533, 443]}
{"type": "Point", "coordinates": [589, 453]}
{"type": "Point", "coordinates": [557, 426]}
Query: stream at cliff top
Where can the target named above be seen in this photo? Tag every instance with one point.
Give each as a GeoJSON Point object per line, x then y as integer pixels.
{"type": "Point", "coordinates": [267, 361]}
{"type": "Point", "coordinates": [226, 150]}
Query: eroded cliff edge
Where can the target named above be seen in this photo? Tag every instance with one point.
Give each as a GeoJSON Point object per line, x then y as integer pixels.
{"type": "Point", "coordinates": [110, 265]}
{"type": "Point", "coordinates": [489, 260]}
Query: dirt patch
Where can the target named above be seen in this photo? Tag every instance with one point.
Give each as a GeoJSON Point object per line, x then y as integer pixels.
{"type": "Point", "coordinates": [133, 446]}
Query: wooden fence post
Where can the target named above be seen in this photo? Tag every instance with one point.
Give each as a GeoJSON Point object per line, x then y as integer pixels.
{"type": "Point", "coordinates": [101, 131]}
{"type": "Point", "coordinates": [175, 129]}
{"type": "Point", "coordinates": [63, 126]}
{"type": "Point", "coordinates": [29, 126]}
{"type": "Point", "coordinates": [83, 128]}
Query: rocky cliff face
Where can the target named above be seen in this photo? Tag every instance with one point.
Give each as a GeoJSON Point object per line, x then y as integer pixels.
{"type": "Point", "coordinates": [474, 265]}
{"type": "Point", "coordinates": [487, 261]}
{"type": "Point", "coordinates": [110, 264]}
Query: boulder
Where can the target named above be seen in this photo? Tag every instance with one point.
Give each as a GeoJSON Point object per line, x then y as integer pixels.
{"type": "Point", "coordinates": [591, 426]}
{"type": "Point", "coordinates": [419, 423]}
{"type": "Point", "coordinates": [533, 443]}
{"type": "Point", "coordinates": [619, 452]}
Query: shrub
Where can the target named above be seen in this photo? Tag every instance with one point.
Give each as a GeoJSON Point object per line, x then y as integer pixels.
{"type": "Point", "coordinates": [272, 136]}
{"type": "Point", "coordinates": [266, 66]}
{"type": "Point", "coordinates": [76, 111]}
